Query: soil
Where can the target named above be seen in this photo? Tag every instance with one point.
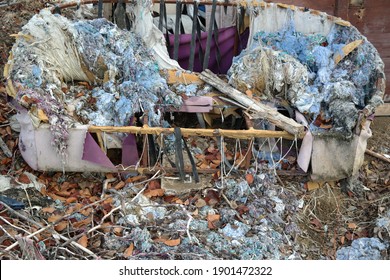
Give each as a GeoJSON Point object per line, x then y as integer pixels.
{"type": "Point", "coordinates": [328, 220]}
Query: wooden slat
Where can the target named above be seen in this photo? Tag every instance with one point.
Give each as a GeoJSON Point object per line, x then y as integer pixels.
{"type": "Point", "coordinates": [383, 110]}
{"type": "Point", "coordinates": [237, 134]}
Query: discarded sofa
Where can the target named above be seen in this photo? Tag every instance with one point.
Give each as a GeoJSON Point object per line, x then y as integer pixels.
{"type": "Point", "coordinates": [81, 87]}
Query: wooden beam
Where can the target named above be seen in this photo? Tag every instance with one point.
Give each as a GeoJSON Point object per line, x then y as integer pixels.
{"type": "Point", "coordinates": [236, 134]}
{"type": "Point", "coordinates": [383, 110]}
{"type": "Point", "coordinates": [378, 156]}
{"type": "Point", "coordinates": [261, 110]}
{"type": "Point", "coordinates": [150, 171]}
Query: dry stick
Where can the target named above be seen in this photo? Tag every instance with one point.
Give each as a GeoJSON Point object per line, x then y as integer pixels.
{"type": "Point", "coordinates": [5, 148]}
{"type": "Point", "coordinates": [105, 186]}
{"type": "Point", "coordinates": [19, 228]}
{"type": "Point", "coordinates": [231, 206]}
{"type": "Point", "coordinates": [7, 233]}
{"type": "Point", "coordinates": [261, 110]}
{"type": "Point", "coordinates": [43, 229]}
{"type": "Point", "coordinates": [378, 156]}
{"type": "Point", "coordinates": [230, 133]}
{"type": "Point", "coordinates": [119, 207]}
{"type": "Point", "coordinates": [89, 252]}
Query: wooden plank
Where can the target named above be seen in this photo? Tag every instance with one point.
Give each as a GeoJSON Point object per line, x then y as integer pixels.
{"type": "Point", "coordinates": [237, 134]}
{"type": "Point", "coordinates": [261, 110]}
{"type": "Point", "coordinates": [181, 77]}
{"type": "Point", "coordinates": [383, 110]}
{"type": "Point", "coordinates": [323, 6]}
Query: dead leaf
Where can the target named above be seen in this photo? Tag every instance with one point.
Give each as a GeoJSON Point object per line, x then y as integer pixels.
{"type": "Point", "coordinates": [5, 161]}
{"type": "Point", "coordinates": [23, 178]}
{"type": "Point", "coordinates": [242, 209]}
{"type": "Point", "coordinates": [152, 193]}
{"type": "Point", "coordinates": [49, 210]}
{"type": "Point", "coordinates": [154, 185]}
{"type": "Point", "coordinates": [211, 219]}
{"type": "Point", "coordinates": [200, 203]}
{"type": "Point", "coordinates": [212, 198]}
{"type": "Point", "coordinates": [118, 231]}
{"type": "Point", "coordinates": [79, 94]}
{"type": "Point", "coordinates": [350, 236]}
{"type": "Point", "coordinates": [179, 201]}
{"type": "Point", "coordinates": [61, 226]}
{"type": "Point", "coordinates": [54, 197]}
{"type": "Point", "coordinates": [106, 227]}
{"type": "Point", "coordinates": [70, 200]}
{"type": "Point", "coordinates": [54, 218]}
{"type": "Point", "coordinates": [312, 185]}
{"type": "Point", "coordinates": [173, 242]}
{"type": "Point", "coordinates": [63, 193]}
{"type": "Point", "coordinates": [8, 129]}
{"type": "Point", "coordinates": [85, 193]}
{"type": "Point", "coordinates": [86, 84]}
{"type": "Point", "coordinates": [352, 226]}
{"type": "Point", "coordinates": [86, 212]}
{"type": "Point", "coordinates": [195, 213]}
{"type": "Point", "coordinates": [83, 241]}
{"type": "Point", "coordinates": [135, 179]}
{"type": "Point", "coordinates": [249, 178]}
{"type": "Point", "coordinates": [120, 185]}
{"type": "Point", "coordinates": [170, 198]}
{"type": "Point", "coordinates": [43, 191]}
{"type": "Point", "coordinates": [82, 223]}
{"type": "Point", "coordinates": [129, 251]}
{"type": "Point", "coordinates": [212, 202]}
{"type": "Point", "coordinates": [211, 148]}
{"type": "Point", "coordinates": [109, 176]}
{"type": "Point", "coordinates": [316, 223]}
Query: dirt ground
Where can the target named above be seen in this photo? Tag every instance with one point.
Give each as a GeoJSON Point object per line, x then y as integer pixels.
{"type": "Point", "coordinates": [329, 218]}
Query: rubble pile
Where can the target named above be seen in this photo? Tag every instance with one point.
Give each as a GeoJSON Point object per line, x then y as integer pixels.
{"type": "Point", "coordinates": [329, 77]}
{"type": "Point", "coordinates": [208, 227]}
{"type": "Point", "coordinates": [373, 248]}
{"type": "Point", "coordinates": [122, 78]}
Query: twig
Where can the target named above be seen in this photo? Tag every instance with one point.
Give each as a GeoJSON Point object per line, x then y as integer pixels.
{"type": "Point", "coordinates": [119, 207]}
{"type": "Point", "coordinates": [5, 148]}
{"type": "Point", "coordinates": [28, 236]}
{"type": "Point", "coordinates": [7, 233]}
{"type": "Point", "coordinates": [234, 208]}
{"type": "Point", "coordinates": [378, 156]}
{"type": "Point", "coordinates": [77, 245]}
{"type": "Point", "coordinates": [19, 228]}
{"type": "Point", "coordinates": [190, 218]}
{"type": "Point", "coordinates": [16, 213]}
{"type": "Point", "coordinates": [105, 186]}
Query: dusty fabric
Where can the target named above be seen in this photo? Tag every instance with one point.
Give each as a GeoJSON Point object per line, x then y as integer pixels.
{"type": "Point", "coordinates": [334, 91]}
{"type": "Point", "coordinates": [121, 70]}
{"type": "Point", "coordinates": [269, 74]}
{"type": "Point", "coordinates": [323, 68]}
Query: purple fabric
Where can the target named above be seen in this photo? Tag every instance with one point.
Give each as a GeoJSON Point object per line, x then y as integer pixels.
{"type": "Point", "coordinates": [197, 104]}
{"type": "Point", "coordinates": [129, 151]}
{"type": "Point", "coordinates": [93, 153]}
{"type": "Point", "coordinates": [226, 42]}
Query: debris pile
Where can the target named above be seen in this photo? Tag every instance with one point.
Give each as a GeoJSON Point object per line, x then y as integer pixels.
{"type": "Point", "coordinates": [328, 78]}
{"type": "Point", "coordinates": [119, 72]}
{"type": "Point", "coordinates": [240, 221]}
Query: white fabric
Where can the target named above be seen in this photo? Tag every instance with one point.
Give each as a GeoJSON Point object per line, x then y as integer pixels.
{"type": "Point", "coordinates": [274, 18]}
{"type": "Point", "coordinates": [153, 37]}
{"type": "Point", "coordinates": [335, 159]}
